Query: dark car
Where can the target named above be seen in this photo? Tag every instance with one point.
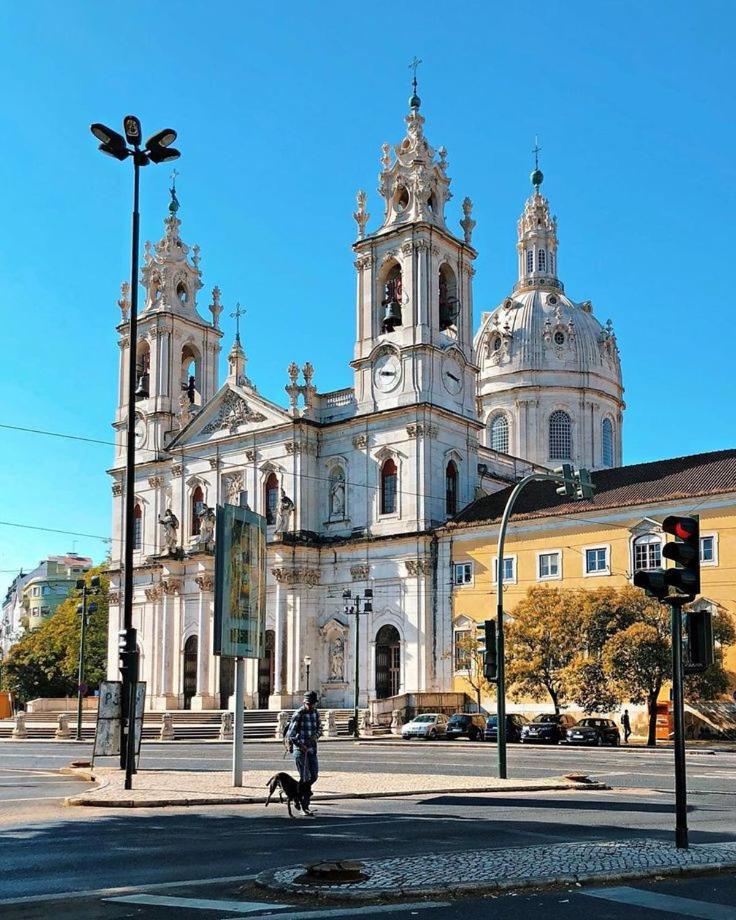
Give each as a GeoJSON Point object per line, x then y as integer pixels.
{"type": "Point", "coordinates": [514, 725]}
{"type": "Point", "coordinates": [465, 725]}
{"type": "Point", "coordinates": [547, 729]}
{"type": "Point", "coordinates": [594, 731]}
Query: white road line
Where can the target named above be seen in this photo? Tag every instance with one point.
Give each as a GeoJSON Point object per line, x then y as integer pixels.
{"type": "Point", "coordinates": [105, 892]}
{"type": "Point", "coordinates": [32, 798]}
{"type": "Point", "coordinates": [340, 912]}
{"type": "Point", "coordinates": [652, 900]}
{"type": "Point", "coordinates": [236, 907]}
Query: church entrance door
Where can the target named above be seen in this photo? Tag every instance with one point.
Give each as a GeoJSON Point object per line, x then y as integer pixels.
{"type": "Point", "coordinates": [265, 671]}
{"type": "Point", "coordinates": [388, 662]}
{"type": "Point", "coordinates": [190, 670]}
{"type": "Point", "coordinates": [227, 681]}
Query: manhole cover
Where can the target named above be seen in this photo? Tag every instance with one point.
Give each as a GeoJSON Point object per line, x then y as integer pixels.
{"type": "Point", "coordinates": [340, 872]}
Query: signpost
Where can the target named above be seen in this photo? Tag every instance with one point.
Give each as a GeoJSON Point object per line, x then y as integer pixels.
{"type": "Point", "coordinates": [109, 719]}
{"type": "Point", "coordinates": [240, 603]}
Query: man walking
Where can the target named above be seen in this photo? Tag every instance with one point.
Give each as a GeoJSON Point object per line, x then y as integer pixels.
{"type": "Point", "coordinates": [626, 725]}
{"type": "Point", "coordinates": [304, 731]}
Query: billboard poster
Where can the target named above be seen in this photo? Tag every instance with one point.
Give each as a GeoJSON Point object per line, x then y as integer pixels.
{"type": "Point", "coordinates": [108, 731]}
{"type": "Point", "coordinates": [240, 583]}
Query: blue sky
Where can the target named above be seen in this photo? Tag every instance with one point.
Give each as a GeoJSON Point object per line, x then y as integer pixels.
{"type": "Point", "coordinates": [281, 112]}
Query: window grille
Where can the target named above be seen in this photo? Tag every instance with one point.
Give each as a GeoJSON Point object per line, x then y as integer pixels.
{"type": "Point", "coordinates": [560, 436]}
{"type": "Point", "coordinates": [500, 433]}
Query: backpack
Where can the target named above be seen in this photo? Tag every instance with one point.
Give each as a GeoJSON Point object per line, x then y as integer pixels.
{"type": "Point", "coordinates": [288, 743]}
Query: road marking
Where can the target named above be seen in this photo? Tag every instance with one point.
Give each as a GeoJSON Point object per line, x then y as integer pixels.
{"type": "Point", "coordinates": [653, 900]}
{"type": "Point", "coordinates": [236, 907]}
{"type": "Point", "coordinates": [32, 798]}
{"type": "Point", "coordinates": [341, 912]}
{"type": "Point", "coordinates": [105, 892]}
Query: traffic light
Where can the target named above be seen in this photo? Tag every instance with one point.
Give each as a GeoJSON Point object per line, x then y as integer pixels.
{"type": "Point", "coordinates": [699, 640]}
{"type": "Point", "coordinates": [488, 649]}
{"type": "Point", "coordinates": [584, 485]}
{"type": "Point", "coordinates": [685, 552]}
{"type": "Point", "coordinates": [568, 474]}
{"type": "Point", "coordinates": [654, 582]}
{"type": "Point", "coordinates": [127, 650]}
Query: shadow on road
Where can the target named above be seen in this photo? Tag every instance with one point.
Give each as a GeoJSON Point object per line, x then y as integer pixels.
{"type": "Point", "coordinates": [556, 804]}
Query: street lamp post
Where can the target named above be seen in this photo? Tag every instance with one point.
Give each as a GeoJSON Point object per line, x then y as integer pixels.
{"type": "Point", "coordinates": [307, 665]}
{"type": "Point", "coordinates": [156, 149]}
{"type": "Point", "coordinates": [84, 610]}
{"type": "Point", "coordinates": [354, 608]}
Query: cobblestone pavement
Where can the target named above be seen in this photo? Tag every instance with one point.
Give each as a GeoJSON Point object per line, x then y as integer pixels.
{"type": "Point", "coordinates": [488, 870]}
{"type": "Point", "coordinates": [158, 788]}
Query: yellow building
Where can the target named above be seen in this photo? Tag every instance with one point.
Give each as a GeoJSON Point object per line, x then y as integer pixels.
{"type": "Point", "coordinates": [592, 543]}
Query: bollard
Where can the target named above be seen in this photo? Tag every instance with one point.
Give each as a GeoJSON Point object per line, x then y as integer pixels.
{"type": "Point", "coordinates": [396, 722]}
{"type": "Point", "coordinates": [365, 726]}
{"type": "Point", "coordinates": [20, 726]}
{"type": "Point", "coordinates": [328, 724]}
{"type": "Point", "coordinates": [226, 726]}
{"type": "Point", "coordinates": [63, 730]}
{"type": "Point", "coordinates": [167, 727]}
{"type": "Point", "coordinates": [282, 723]}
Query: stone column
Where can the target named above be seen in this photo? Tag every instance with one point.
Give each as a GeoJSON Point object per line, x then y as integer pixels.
{"type": "Point", "coordinates": [204, 698]}
{"type": "Point", "coordinates": [167, 697]}
{"type": "Point", "coordinates": [278, 634]}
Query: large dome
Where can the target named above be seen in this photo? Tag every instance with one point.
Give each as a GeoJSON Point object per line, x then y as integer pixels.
{"type": "Point", "coordinates": [550, 385]}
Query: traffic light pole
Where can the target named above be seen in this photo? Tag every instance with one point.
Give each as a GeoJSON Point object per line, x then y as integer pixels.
{"type": "Point", "coordinates": [80, 675]}
{"type": "Point", "coordinates": [678, 707]}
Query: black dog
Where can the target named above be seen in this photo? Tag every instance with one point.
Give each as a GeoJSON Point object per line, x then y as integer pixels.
{"type": "Point", "coordinates": [289, 787]}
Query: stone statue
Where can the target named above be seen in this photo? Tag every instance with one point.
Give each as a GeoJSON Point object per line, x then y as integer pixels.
{"type": "Point", "coordinates": [337, 659]}
{"type": "Point", "coordinates": [283, 515]}
{"type": "Point", "coordinates": [207, 524]}
{"type": "Point", "coordinates": [337, 498]}
{"type": "Point", "coordinates": [170, 524]}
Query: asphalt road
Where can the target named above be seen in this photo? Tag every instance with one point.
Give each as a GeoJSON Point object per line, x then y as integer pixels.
{"type": "Point", "coordinates": [49, 851]}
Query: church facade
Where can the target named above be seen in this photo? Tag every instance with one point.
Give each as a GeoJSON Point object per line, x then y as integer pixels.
{"type": "Point", "coordinates": [354, 484]}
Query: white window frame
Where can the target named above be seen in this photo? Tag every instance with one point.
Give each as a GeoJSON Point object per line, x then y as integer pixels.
{"type": "Point", "coordinates": [507, 581]}
{"type": "Point", "coordinates": [646, 539]}
{"type": "Point", "coordinates": [549, 552]}
{"type": "Point", "coordinates": [462, 566]}
{"type": "Point", "coordinates": [602, 572]}
{"type": "Point", "coordinates": [711, 535]}
{"type": "Point", "coordinates": [457, 631]}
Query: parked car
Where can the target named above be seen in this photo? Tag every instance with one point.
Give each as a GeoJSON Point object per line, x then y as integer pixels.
{"type": "Point", "coordinates": [428, 725]}
{"type": "Point", "coordinates": [466, 725]}
{"type": "Point", "coordinates": [514, 724]}
{"type": "Point", "coordinates": [594, 731]}
{"type": "Point", "coordinates": [547, 728]}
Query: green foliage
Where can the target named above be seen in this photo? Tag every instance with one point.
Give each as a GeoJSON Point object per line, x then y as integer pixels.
{"type": "Point", "coordinates": [44, 662]}
{"type": "Point", "coordinates": [467, 646]}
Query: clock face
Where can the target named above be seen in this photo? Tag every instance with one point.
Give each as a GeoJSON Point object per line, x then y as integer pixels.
{"type": "Point", "coordinates": [452, 375]}
{"type": "Point", "coordinates": [387, 373]}
{"type": "Point", "coordinates": [140, 432]}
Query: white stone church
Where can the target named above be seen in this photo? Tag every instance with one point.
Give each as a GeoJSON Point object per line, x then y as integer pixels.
{"type": "Point", "coordinates": [353, 483]}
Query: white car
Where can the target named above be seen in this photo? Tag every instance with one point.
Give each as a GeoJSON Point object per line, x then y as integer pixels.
{"type": "Point", "coordinates": [428, 725]}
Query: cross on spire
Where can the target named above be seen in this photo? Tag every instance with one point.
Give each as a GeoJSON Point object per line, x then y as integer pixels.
{"type": "Point", "coordinates": [413, 66]}
{"type": "Point", "coordinates": [174, 204]}
{"type": "Point", "coordinates": [239, 311]}
{"type": "Point", "coordinates": [536, 150]}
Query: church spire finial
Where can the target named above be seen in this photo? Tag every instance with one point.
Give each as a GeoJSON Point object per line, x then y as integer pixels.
{"type": "Point", "coordinates": [174, 203]}
{"type": "Point", "coordinates": [239, 311]}
{"type": "Point", "coordinates": [537, 176]}
{"type": "Point", "coordinates": [414, 101]}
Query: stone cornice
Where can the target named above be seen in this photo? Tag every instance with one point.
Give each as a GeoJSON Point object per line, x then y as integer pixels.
{"type": "Point", "coordinates": [297, 576]}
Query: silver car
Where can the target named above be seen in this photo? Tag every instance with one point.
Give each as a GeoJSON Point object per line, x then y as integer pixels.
{"type": "Point", "coordinates": [428, 725]}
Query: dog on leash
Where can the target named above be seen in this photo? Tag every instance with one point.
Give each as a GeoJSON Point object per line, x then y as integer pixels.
{"type": "Point", "coordinates": [286, 786]}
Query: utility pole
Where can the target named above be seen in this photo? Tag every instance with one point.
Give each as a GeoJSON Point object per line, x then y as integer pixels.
{"type": "Point", "coordinates": [84, 610]}
{"type": "Point", "coordinates": [354, 608]}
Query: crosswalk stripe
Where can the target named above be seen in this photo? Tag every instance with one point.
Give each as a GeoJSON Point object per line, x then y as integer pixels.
{"type": "Point", "coordinates": [653, 900]}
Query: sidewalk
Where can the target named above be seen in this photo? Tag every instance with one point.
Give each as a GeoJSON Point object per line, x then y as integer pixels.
{"type": "Point", "coordinates": [159, 788]}
{"type": "Point", "coordinates": [477, 872]}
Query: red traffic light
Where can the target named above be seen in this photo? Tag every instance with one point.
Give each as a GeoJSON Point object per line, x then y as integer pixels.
{"type": "Point", "coordinates": [685, 528]}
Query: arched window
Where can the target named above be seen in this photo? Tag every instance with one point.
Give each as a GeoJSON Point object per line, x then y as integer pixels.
{"type": "Point", "coordinates": [391, 302]}
{"type": "Point", "coordinates": [389, 480]}
{"type": "Point", "coordinates": [647, 552]}
{"type": "Point", "coordinates": [500, 433]}
{"type": "Point", "coordinates": [142, 369]}
{"type": "Point", "coordinates": [451, 488]}
{"type": "Point", "coordinates": [137, 527]}
{"type": "Point", "coordinates": [560, 436]}
{"type": "Point", "coordinates": [542, 260]}
{"type": "Point", "coordinates": [529, 261]}
{"type": "Point", "coordinates": [197, 506]}
{"type": "Point", "coordinates": [271, 498]}
{"type": "Point", "coordinates": [190, 374]}
{"type": "Point", "coordinates": [337, 494]}
{"type": "Point", "coordinates": [448, 297]}
{"type": "Point", "coordinates": [607, 442]}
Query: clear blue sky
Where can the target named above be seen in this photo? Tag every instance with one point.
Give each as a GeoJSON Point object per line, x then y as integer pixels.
{"type": "Point", "coordinates": [281, 110]}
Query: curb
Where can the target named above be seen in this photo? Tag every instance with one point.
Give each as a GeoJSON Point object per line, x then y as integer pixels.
{"type": "Point", "coordinates": [266, 881]}
{"type": "Point", "coordinates": [84, 800]}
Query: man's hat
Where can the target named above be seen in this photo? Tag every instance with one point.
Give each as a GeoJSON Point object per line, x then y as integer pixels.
{"type": "Point", "coordinates": [311, 697]}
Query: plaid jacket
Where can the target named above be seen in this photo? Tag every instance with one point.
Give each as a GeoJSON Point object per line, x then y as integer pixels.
{"type": "Point", "coordinates": [305, 727]}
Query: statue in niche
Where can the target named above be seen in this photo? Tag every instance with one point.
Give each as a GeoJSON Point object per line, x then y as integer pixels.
{"type": "Point", "coordinates": [283, 515]}
{"type": "Point", "coordinates": [170, 524]}
{"type": "Point", "coordinates": [337, 659]}
{"type": "Point", "coordinates": [337, 495]}
{"type": "Point", "coordinates": [207, 524]}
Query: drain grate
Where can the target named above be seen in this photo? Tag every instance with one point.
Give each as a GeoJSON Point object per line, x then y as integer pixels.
{"type": "Point", "coordinates": [339, 872]}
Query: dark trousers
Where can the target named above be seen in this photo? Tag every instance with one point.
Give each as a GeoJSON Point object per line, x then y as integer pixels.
{"type": "Point", "coordinates": [308, 767]}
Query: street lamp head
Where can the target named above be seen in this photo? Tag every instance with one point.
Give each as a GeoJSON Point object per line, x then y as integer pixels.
{"type": "Point", "coordinates": [307, 661]}
{"type": "Point", "coordinates": [94, 582]}
{"type": "Point", "coordinates": [106, 135]}
{"type": "Point", "coordinates": [368, 592]}
{"type": "Point", "coordinates": [163, 154]}
{"type": "Point", "coordinates": [119, 153]}
{"type": "Point", "coordinates": [367, 607]}
{"type": "Point", "coordinates": [132, 126]}
{"type": "Point", "coordinates": [163, 138]}
{"type": "Point", "coordinates": [346, 595]}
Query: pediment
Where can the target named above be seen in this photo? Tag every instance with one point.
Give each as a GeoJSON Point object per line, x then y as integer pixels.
{"type": "Point", "coordinates": [233, 410]}
{"type": "Point", "coordinates": [646, 525]}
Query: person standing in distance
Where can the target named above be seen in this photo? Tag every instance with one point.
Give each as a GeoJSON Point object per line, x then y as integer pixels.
{"type": "Point", "coordinates": [304, 731]}
{"type": "Point", "coordinates": [626, 725]}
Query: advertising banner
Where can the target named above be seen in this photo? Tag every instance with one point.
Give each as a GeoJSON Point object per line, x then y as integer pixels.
{"type": "Point", "coordinates": [240, 583]}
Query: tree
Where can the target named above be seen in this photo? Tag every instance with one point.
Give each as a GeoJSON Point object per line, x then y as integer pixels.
{"type": "Point", "coordinates": [469, 660]}
{"type": "Point", "coordinates": [44, 662]}
{"type": "Point", "coordinates": [543, 639]}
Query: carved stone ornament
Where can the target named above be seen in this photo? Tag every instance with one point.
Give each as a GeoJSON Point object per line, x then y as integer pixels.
{"type": "Point", "coordinates": [360, 572]}
{"type": "Point", "coordinates": [252, 454]}
{"type": "Point", "coordinates": [360, 441]}
{"type": "Point", "coordinates": [117, 488]}
{"type": "Point", "coordinates": [421, 430]}
{"type": "Point", "coordinates": [232, 486]}
{"type": "Point", "coordinates": [214, 463]}
{"type": "Point", "coordinates": [297, 576]}
{"type": "Point", "coordinates": [363, 262]}
{"type": "Point", "coordinates": [171, 586]}
{"type": "Point", "coordinates": [113, 597]}
{"type": "Point", "coordinates": [176, 469]}
{"type": "Point", "coordinates": [418, 567]}
{"type": "Point", "coordinates": [154, 593]}
{"type": "Point", "coordinates": [233, 413]}
{"type": "Point", "coordinates": [155, 482]}
{"type": "Point", "coordinates": [296, 447]}
{"type": "Point", "coordinates": [205, 582]}
{"type": "Point", "coordinates": [361, 216]}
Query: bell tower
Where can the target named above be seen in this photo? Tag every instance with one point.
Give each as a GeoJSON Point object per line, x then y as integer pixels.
{"type": "Point", "coordinates": [177, 350]}
{"type": "Point", "coordinates": [414, 292]}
